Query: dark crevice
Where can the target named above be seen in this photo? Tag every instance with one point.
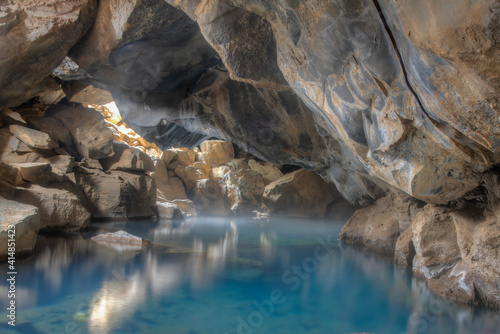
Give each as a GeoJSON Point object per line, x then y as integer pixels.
{"type": "Point", "coordinates": [399, 55]}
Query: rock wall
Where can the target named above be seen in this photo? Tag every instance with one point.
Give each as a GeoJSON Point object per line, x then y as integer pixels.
{"type": "Point", "coordinates": [455, 248]}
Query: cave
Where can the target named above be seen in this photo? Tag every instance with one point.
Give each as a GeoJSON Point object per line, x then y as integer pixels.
{"type": "Point", "coordinates": [250, 166]}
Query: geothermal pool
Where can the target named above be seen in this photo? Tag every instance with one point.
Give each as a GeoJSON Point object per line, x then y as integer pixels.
{"type": "Point", "coordinates": [218, 275]}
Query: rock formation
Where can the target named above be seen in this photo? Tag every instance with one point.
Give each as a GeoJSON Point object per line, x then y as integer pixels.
{"type": "Point", "coordinates": [379, 97]}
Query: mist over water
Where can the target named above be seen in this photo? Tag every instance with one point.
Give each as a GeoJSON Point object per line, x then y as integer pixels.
{"type": "Point", "coordinates": [222, 275]}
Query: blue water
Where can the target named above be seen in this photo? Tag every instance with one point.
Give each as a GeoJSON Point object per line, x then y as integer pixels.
{"type": "Point", "coordinates": [226, 276]}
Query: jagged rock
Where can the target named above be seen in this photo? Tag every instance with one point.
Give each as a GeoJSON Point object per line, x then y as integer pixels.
{"type": "Point", "coordinates": [45, 30]}
{"type": "Point", "coordinates": [118, 194]}
{"type": "Point", "coordinates": [12, 117]}
{"type": "Point", "coordinates": [404, 250]}
{"type": "Point", "coordinates": [209, 197]}
{"type": "Point", "coordinates": [269, 172]}
{"type": "Point", "coordinates": [190, 175]}
{"type": "Point", "coordinates": [435, 241]}
{"type": "Point", "coordinates": [62, 164]}
{"type": "Point", "coordinates": [90, 163]}
{"type": "Point", "coordinates": [33, 138]}
{"type": "Point", "coordinates": [59, 209]}
{"type": "Point", "coordinates": [54, 128]}
{"type": "Point", "coordinates": [127, 158]}
{"type": "Point", "coordinates": [167, 210]}
{"type": "Point", "coordinates": [121, 238]}
{"type": "Point", "coordinates": [52, 92]}
{"type": "Point", "coordinates": [91, 137]}
{"type": "Point", "coordinates": [218, 173]}
{"type": "Point", "coordinates": [216, 152]}
{"type": "Point", "coordinates": [83, 93]}
{"type": "Point", "coordinates": [9, 179]}
{"type": "Point", "coordinates": [298, 194]}
{"type": "Point", "coordinates": [184, 157]}
{"type": "Point", "coordinates": [244, 190]}
{"type": "Point", "coordinates": [37, 173]}
{"type": "Point", "coordinates": [187, 208]}
{"type": "Point", "coordinates": [26, 220]}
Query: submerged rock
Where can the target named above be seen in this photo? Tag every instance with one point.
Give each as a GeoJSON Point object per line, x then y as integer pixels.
{"type": "Point", "coordinates": [122, 238]}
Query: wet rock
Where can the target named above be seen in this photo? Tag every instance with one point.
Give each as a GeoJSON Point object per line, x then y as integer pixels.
{"type": "Point", "coordinates": [216, 152]}
{"type": "Point", "coordinates": [118, 194]}
{"type": "Point", "coordinates": [59, 209]}
{"type": "Point", "coordinates": [121, 238]}
{"type": "Point", "coordinates": [26, 220]}
{"type": "Point", "coordinates": [33, 138]}
{"type": "Point", "coordinates": [167, 210]}
{"type": "Point", "coordinates": [298, 194]}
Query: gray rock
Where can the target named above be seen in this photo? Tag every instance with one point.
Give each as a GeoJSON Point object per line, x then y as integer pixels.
{"type": "Point", "coordinates": [26, 222]}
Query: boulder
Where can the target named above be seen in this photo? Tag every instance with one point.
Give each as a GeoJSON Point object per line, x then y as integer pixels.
{"type": "Point", "coordinates": [187, 208]}
{"type": "Point", "coordinates": [26, 222]}
{"type": "Point", "coordinates": [59, 209]}
{"type": "Point", "coordinates": [92, 139]}
{"type": "Point", "coordinates": [128, 158]}
{"type": "Point", "coordinates": [117, 194]}
{"type": "Point", "coordinates": [269, 172]}
{"type": "Point", "coordinates": [62, 164]}
{"type": "Point", "coordinates": [216, 152]}
{"type": "Point", "coordinates": [244, 189]}
{"type": "Point", "coordinates": [190, 175]}
{"type": "Point", "coordinates": [167, 210]}
{"type": "Point", "coordinates": [34, 172]}
{"type": "Point", "coordinates": [34, 39]}
{"type": "Point", "coordinates": [378, 227]}
{"type": "Point", "coordinates": [54, 128]}
{"type": "Point", "coordinates": [33, 138]}
{"type": "Point", "coordinates": [218, 173]}
{"type": "Point", "coordinates": [9, 179]}
{"type": "Point", "coordinates": [87, 94]}
{"type": "Point", "coordinates": [298, 194]}
{"type": "Point", "coordinates": [121, 238]}
{"type": "Point", "coordinates": [209, 197]}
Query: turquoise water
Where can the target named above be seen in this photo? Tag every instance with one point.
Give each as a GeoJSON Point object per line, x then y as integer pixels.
{"type": "Point", "coordinates": [226, 276]}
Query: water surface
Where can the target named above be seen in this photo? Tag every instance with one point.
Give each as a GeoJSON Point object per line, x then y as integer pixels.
{"type": "Point", "coordinates": [226, 276]}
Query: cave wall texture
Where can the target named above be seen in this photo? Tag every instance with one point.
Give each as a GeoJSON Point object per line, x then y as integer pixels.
{"type": "Point", "coordinates": [392, 100]}
{"type": "Point", "coordinates": [371, 94]}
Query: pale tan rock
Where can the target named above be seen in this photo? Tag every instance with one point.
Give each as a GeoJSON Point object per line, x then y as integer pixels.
{"type": "Point", "coordinates": [209, 197]}
{"type": "Point", "coordinates": [34, 39]}
{"type": "Point", "coordinates": [298, 194]}
{"type": "Point", "coordinates": [53, 127]}
{"type": "Point", "coordinates": [167, 210]}
{"type": "Point", "coordinates": [59, 209]}
{"type": "Point", "coordinates": [435, 241]}
{"type": "Point", "coordinates": [187, 208]}
{"type": "Point", "coordinates": [244, 189]}
{"type": "Point", "coordinates": [189, 176]}
{"type": "Point", "coordinates": [91, 137]}
{"type": "Point", "coordinates": [89, 95]}
{"type": "Point", "coordinates": [128, 158]}
{"type": "Point", "coordinates": [34, 172]}
{"type": "Point", "coordinates": [218, 173]}
{"type": "Point", "coordinates": [9, 179]}
{"type": "Point", "coordinates": [33, 138]}
{"type": "Point", "coordinates": [90, 163]}
{"type": "Point", "coordinates": [62, 164]}
{"type": "Point", "coordinates": [26, 220]}
{"type": "Point", "coordinates": [121, 237]}
{"type": "Point", "coordinates": [204, 167]}
{"type": "Point", "coordinates": [269, 172]}
{"type": "Point", "coordinates": [118, 194]}
{"type": "Point", "coordinates": [12, 117]}
{"type": "Point", "coordinates": [216, 152]}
